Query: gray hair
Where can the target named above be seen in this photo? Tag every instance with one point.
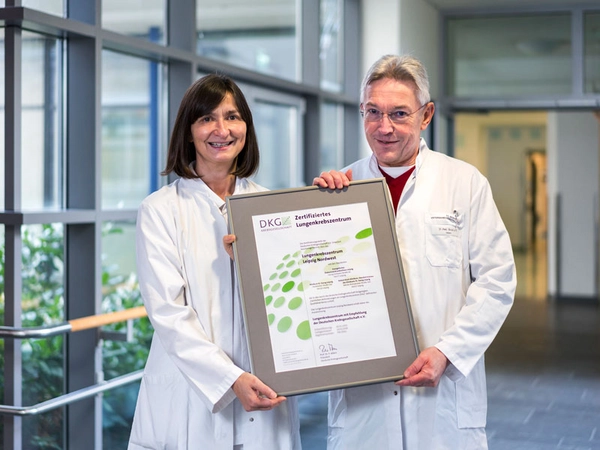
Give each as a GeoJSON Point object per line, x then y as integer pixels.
{"type": "Point", "coordinates": [399, 68]}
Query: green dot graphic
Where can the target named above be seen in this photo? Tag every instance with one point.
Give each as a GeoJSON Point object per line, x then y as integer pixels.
{"type": "Point", "coordinates": [295, 303]}
{"type": "Point", "coordinates": [280, 301]}
{"type": "Point", "coordinates": [303, 330]}
{"type": "Point", "coordinates": [280, 266]}
{"type": "Point", "coordinates": [266, 287]}
{"type": "Point", "coordinates": [272, 277]}
{"type": "Point", "coordinates": [296, 272]}
{"type": "Point", "coordinates": [283, 274]}
{"type": "Point", "coordinates": [275, 287]}
{"type": "Point", "coordinates": [286, 256]}
{"type": "Point", "coordinates": [284, 324]}
{"type": "Point", "coordinates": [287, 287]}
{"type": "Point", "coordinates": [268, 299]}
{"type": "Point", "coordinates": [303, 285]}
{"type": "Point", "coordinates": [271, 318]}
{"type": "Point", "coordinates": [367, 232]}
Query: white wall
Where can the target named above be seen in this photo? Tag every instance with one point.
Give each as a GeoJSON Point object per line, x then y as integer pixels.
{"type": "Point", "coordinates": [573, 175]}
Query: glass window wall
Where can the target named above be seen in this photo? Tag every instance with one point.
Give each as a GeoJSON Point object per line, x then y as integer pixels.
{"type": "Point", "coordinates": [55, 7]}
{"type": "Point", "coordinates": [42, 305]}
{"type": "Point", "coordinates": [332, 137]}
{"type": "Point", "coordinates": [592, 53]}
{"type": "Point", "coordinates": [2, 116]}
{"type": "Point", "coordinates": [131, 141]}
{"type": "Point", "coordinates": [144, 19]}
{"type": "Point", "coordinates": [331, 47]}
{"type": "Point", "coordinates": [256, 35]}
{"type": "Point", "coordinates": [42, 112]}
{"type": "Point", "coordinates": [276, 128]}
{"type": "Point", "coordinates": [509, 57]}
{"type": "Point", "coordinates": [120, 291]}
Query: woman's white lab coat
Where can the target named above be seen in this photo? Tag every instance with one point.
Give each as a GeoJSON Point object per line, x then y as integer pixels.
{"type": "Point", "coordinates": [199, 348]}
{"type": "Point", "coordinates": [461, 279]}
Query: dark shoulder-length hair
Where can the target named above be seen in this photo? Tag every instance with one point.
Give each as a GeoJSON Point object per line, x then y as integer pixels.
{"type": "Point", "coordinates": [200, 99]}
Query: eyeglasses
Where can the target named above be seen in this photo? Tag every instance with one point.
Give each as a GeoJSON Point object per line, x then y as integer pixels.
{"type": "Point", "coordinates": [397, 116]}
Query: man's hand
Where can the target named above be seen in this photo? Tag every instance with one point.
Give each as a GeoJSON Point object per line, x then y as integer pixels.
{"type": "Point", "coordinates": [254, 394]}
{"type": "Point", "coordinates": [228, 244]}
{"type": "Point", "coordinates": [426, 370]}
{"type": "Point", "coordinates": [333, 179]}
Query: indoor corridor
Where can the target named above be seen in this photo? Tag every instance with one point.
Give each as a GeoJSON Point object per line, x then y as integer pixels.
{"type": "Point", "coordinates": [543, 373]}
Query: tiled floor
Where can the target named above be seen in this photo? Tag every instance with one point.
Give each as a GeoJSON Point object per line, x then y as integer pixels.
{"type": "Point", "coordinates": [543, 374]}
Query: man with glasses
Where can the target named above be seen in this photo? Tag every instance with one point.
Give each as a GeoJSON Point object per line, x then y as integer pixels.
{"type": "Point", "coordinates": [460, 272]}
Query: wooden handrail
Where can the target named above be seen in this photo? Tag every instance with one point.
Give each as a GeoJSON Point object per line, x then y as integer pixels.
{"type": "Point", "coordinates": [99, 320]}
{"type": "Point", "coordinates": [83, 323]}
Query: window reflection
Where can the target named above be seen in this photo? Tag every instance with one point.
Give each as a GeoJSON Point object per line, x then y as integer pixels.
{"type": "Point", "coordinates": [41, 136]}
{"type": "Point", "coordinates": [276, 133]}
{"type": "Point", "coordinates": [42, 305]}
{"type": "Point", "coordinates": [331, 45]}
{"type": "Point", "coordinates": [256, 35]}
{"type": "Point", "coordinates": [55, 7]}
{"type": "Point", "coordinates": [2, 117]}
{"type": "Point", "coordinates": [144, 19]}
{"type": "Point", "coordinates": [592, 52]}
{"type": "Point", "coordinates": [120, 291]}
{"type": "Point", "coordinates": [332, 142]}
{"type": "Point", "coordinates": [130, 120]}
{"type": "Point", "coordinates": [509, 56]}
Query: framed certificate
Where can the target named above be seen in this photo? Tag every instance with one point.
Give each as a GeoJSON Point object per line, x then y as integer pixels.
{"type": "Point", "coordinates": [323, 292]}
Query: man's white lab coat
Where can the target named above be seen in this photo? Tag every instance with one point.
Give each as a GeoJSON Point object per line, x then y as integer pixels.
{"type": "Point", "coordinates": [460, 272]}
{"type": "Point", "coordinates": [199, 348]}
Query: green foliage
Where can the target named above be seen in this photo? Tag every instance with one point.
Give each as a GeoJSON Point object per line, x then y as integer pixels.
{"type": "Point", "coordinates": [43, 304]}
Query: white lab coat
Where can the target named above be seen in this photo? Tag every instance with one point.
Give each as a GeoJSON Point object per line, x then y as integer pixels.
{"type": "Point", "coordinates": [198, 349]}
{"type": "Point", "coordinates": [461, 279]}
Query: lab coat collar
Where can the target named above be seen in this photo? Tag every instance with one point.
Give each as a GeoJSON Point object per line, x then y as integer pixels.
{"type": "Point", "coordinates": [423, 149]}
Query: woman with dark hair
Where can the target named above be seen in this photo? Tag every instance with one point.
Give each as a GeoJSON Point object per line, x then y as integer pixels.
{"type": "Point", "coordinates": [196, 392]}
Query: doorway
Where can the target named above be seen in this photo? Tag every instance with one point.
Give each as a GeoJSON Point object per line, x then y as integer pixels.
{"type": "Point", "coordinates": [509, 149]}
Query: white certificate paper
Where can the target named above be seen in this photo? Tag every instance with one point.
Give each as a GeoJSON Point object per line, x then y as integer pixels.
{"type": "Point", "coordinates": [322, 287]}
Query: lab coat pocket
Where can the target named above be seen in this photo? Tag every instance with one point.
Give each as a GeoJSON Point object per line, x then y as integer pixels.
{"type": "Point", "coordinates": [443, 239]}
{"type": "Point", "coordinates": [161, 407]}
{"type": "Point", "coordinates": [471, 400]}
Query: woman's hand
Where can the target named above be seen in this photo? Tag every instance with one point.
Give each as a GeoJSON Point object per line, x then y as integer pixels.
{"type": "Point", "coordinates": [254, 394]}
{"type": "Point", "coordinates": [228, 240]}
{"type": "Point", "coordinates": [333, 179]}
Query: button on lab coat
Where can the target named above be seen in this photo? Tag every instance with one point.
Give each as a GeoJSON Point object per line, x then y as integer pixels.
{"type": "Point", "coordinates": [198, 349]}
{"type": "Point", "coordinates": [461, 279]}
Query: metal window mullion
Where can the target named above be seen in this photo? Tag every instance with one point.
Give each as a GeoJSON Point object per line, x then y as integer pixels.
{"type": "Point", "coordinates": [50, 127]}
{"type": "Point", "coordinates": [577, 45]}
{"type": "Point", "coordinates": [13, 378]}
{"type": "Point", "coordinates": [308, 34]}
{"type": "Point", "coordinates": [181, 32]}
{"type": "Point", "coordinates": [13, 44]}
{"type": "Point", "coordinates": [83, 420]}
{"type": "Point", "coordinates": [352, 127]}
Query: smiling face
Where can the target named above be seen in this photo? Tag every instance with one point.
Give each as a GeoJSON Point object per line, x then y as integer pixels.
{"type": "Point", "coordinates": [395, 144]}
{"type": "Point", "coordinates": [218, 138]}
